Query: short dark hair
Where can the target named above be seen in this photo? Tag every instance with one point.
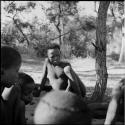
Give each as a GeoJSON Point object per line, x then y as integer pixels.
{"type": "Point", "coordinates": [53, 46]}
{"type": "Point", "coordinates": [9, 57]}
{"type": "Point", "coordinates": [25, 79]}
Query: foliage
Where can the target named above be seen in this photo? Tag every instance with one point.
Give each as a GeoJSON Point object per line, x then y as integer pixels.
{"type": "Point", "coordinates": [40, 38]}
{"type": "Point", "coordinates": [79, 32]}
{"type": "Point", "coordinates": [114, 56]}
{"type": "Point", "coordinates": [41, 49]}
{"type": "Point", "coordinates": [61, 9]}
{"type": "Point", "coordinates": [9, 34]}
{"type": "Point", "coordinates": [13, 8]}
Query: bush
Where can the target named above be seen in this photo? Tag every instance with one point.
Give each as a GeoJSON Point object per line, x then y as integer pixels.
{"type": "Point", "coordinates": [90, 50]}
{"type": "Point", "coordinates": [41, 50]}
{"type": "Point", "coordinates": [79, 49]}
{"type": "Point", "coordinates": [114, 56]}
{"type": "Point", "coordinates": [66, 51]}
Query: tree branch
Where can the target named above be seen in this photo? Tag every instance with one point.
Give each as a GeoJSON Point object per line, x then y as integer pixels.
{"type": "Point", "coordinates": [97, 48]}
{"type": "Point", "coordinates": [21, 31]}
{"type": "Point", "coordinates": [64, 34]}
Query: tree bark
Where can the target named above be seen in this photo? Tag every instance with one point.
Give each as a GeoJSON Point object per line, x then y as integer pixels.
{"type": "Point", "coordinates": [122, 53]}
{"type": "Point", "coordinates": [100, 51]}
{"type": "Point", "coordinates": [95, 6]}
{"type": "Point", "coordinates": [28, 43]}
{"type": "Point", "coordinates": [57, 25]}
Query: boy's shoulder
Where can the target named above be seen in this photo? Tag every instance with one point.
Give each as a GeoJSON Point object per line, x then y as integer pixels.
{"type": "Point", "coordinates": [17, 88]}
{"type": "Point", "coordinates": [65, 63]}
{"type": "Point", "coordinates": [15, 93]}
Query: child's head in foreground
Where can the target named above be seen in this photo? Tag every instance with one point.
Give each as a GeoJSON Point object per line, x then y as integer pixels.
{"type": "Point", "coordinates": [10, 65]}
{"type": "Point", "coordinates": [27, 86]}
{"type": "Point", "coordinates": [60, 107]}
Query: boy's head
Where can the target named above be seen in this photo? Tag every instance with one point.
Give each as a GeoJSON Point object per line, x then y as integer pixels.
{"type": "Point", "coordinates": [60, 107]}
{"type": "Point", "coordinates": [53, 53]}
{"type": "Point", "coordinates": [27, 86]}
{"type": "Point", "coordinates": [10, 65]}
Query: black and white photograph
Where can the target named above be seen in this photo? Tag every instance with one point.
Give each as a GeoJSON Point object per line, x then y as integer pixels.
{"type": "Point", "coordinates": [62, 62]}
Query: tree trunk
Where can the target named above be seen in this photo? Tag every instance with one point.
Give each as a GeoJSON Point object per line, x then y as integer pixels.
{"type": "Point", "coordinates": [122, 53]}
{"type": "Point", "coordinates": [59, 32]}
{"type": "Point", "coordinates": [100, 51]}
{"type": "Point", "coordinates": [58, 24]}
{"type": "Point", "coordinates": [28, 43]}
{"type": "Point", "coordinates": [62, 29]}
{"type": "Point", "coordinates": [95, 7]}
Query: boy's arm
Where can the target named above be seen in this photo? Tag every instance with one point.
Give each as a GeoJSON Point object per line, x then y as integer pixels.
{"type": "Point", "coordinates": [113, 105]}
{"type": "Point", "coordinates": [80, 84]}
{"type": "Point", "coordinates": [44, 75]}
{"type": "Point", "coordinates": [68, 87]}
{"type": "Point", "coordinates": [72, 79]}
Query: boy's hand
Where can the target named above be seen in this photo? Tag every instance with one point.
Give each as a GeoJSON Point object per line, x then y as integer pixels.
{"type": "Point", "coordinates": [68, 87]}
{"type": "Point", "coordinates": [6, 92]}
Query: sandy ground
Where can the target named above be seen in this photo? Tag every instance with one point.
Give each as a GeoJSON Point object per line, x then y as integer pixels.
{"type": "Point", "coordinates": [85, 68]}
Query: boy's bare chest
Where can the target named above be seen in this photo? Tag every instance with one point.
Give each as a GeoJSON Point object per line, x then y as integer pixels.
{"type": "Point", "coordinates": [58, 71]}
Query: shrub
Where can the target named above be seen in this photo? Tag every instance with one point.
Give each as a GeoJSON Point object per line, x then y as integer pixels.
{"type": "Point", "coordinates": [41, 49]}
{"type": "Point", "coordinates": [114, 56]}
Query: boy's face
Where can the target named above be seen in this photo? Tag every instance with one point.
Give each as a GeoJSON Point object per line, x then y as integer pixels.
{"type": "Point", "coordinates": [27, 95]}
{"type": "Point", "coordinates": [10, 76]}
{"type": "Point", "coordinates": [54, 56]}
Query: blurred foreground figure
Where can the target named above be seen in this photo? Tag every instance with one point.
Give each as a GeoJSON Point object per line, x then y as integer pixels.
{"type": "Point", "coordinates": [60, 107]}
{"type": "Point", "coordinates": [116, 106]}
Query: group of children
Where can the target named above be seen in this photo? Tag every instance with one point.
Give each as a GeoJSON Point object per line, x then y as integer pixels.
{"type": "Point", "coordinates": [65, 103]}
{"type": "Point", "coordinates": [16, 88]}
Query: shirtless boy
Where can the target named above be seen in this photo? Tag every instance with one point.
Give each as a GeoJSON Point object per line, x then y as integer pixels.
{"type": "Point", "coordinates": [116, 105]}
{"type": "Point", "coordinates": [10, 65]}
{"type": "Point", "coordinates": [60, 74]}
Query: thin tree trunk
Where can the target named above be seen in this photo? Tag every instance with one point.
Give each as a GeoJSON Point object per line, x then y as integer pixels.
{"type": "Point", "coordinates": [58, 24]}
{"type": "Point", "coordinates": [101, 69]}
{"type": "Point", "coordinates": [21, 32]}
{"type": "Point", "coordinates": [18, 27]}
{"type": "Point", "coordinates": [95, 6]}
{"type": "Point", "coordinates": [122, 53]}
{"type": "Point", "coordinates": [59, 32]}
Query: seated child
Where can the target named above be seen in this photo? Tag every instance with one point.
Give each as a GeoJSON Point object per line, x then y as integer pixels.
{"type": "Point", "coordinates": [61, 107]}
{"type": "Point", "coordinates": [10, 65]}
{"type": "Point", "coordinates": [116, 105]}
{"type": "Point", "coordinates": [26, 85]}
{"type": "Point", "coordinates": [60, 74]}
